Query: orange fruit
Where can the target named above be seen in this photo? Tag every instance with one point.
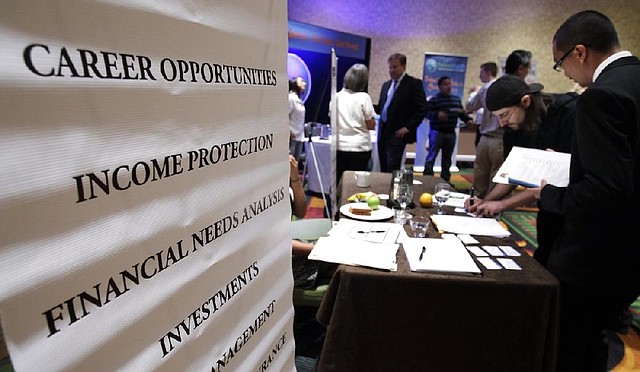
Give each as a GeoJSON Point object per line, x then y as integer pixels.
{"type": "Point", "coordinates": [426, 200]}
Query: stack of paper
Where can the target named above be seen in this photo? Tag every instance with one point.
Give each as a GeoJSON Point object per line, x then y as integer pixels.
{"type": "Point", "coordinates": [348, 251]}
{"type": "Point", "coordinates": [371, 244]}
{"type": "Point", "coordinates": [469, 225]}
{"type": "Point", "coordinates": [527, 167]}
{"type": "Point", "coordinates": [454, 199]}
{"type": "Point", "coordinates": [375, 232]}
{"type": "Point", "coordinates": [440, 255]}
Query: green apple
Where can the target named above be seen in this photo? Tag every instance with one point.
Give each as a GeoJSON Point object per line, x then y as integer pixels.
{"type": "Point", "coordinates": [373, 202]}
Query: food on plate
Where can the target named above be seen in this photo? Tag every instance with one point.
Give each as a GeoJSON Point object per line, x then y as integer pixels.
{"type": "Point", "coordinates": [360, 197]}
{"type": "Point", "coordinates": [360, 209]}
{"type": "Point", "coordinates": [373, 202]}
{"type": "Point", "coordinates": [426, 200]}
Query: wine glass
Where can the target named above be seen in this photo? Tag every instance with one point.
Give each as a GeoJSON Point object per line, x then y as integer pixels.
{"type": "Point", "coordinates": [441, 194]}
{"type": "Point", "coordinates": [405, 195]}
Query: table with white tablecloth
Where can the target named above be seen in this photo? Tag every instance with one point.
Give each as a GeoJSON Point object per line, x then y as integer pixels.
{"type": "Point", "coordinates": [318, 167]}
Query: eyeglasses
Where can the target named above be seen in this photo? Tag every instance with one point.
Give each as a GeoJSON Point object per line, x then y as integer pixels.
{"type": "Point", "coordinates": [505, 115]}
{"type": "Point", "coordinates": [558, 65]}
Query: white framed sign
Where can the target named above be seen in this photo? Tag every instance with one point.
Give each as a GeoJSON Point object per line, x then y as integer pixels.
{"type": "Point", "coordinates": [143, 187]}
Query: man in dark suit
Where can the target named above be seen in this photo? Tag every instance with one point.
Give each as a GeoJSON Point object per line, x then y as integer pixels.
{"type": "Point", "coordinates": [400, 115]}
{"type": "Point", "coordinates": [595, 258]}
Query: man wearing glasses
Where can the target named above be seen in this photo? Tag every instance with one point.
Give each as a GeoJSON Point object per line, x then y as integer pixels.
{"type": "Point", "coordinates": [531, 119]}
{"type": "Point", "coordinates": [598, 269]}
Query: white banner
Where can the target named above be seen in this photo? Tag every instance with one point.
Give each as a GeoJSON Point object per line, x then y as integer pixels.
{"type": "Point", "coordinates": [143, 187]}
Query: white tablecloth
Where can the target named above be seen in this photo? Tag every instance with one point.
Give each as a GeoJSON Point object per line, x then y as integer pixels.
{"type": "Point", "coordinates": [322, 149]}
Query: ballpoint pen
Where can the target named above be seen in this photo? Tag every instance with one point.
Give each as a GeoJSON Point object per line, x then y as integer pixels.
{"type": "Point", "coordinates": [471, 195]}
{"type": "Point", "coordinates": [422, 253]}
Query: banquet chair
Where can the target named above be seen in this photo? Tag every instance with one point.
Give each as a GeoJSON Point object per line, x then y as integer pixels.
{"type": "Point", "coordinates": [310, 229]}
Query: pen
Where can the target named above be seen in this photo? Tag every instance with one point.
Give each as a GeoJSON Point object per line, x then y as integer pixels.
{"type": "Point", "coordinates": [422, 253]}
{"type": "Point", "coordinates": [471, 198]}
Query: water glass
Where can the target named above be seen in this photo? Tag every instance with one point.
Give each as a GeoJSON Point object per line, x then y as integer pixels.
{"type": "Point", "coordinates": [405, 195]}
{"type": "Point", "coordinates": [419, 226]}
{"type": "Point", "coordinates": [399, 215]}
{"type": "Point", "coordinates": [441, 194]}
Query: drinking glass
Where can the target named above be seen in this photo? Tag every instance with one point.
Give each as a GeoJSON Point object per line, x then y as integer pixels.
{"type": "Point", "coordinates": [419, 226]}
{"type": "Point", "coordinates": [399, 216]}
{"type": "Point", "coordinates": [441, 194]}
{"type": "Point", "coordinates": [405, 195]}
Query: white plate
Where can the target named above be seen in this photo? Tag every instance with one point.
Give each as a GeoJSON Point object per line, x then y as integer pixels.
{"type": "Point", "coordinates": [382, 213]}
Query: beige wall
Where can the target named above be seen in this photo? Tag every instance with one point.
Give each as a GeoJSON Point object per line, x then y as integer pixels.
{"type": "Point", "coordinates": [479, 29]}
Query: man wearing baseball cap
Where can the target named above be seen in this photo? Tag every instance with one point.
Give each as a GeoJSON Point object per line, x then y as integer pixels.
{"type": "Point", "coordinates": [531, 119]}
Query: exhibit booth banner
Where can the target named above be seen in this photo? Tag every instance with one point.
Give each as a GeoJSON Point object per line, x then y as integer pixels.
{"type": "Point", "coordinates": [437, 65]}
{"type": "Point", "coordinates": [144, 186]}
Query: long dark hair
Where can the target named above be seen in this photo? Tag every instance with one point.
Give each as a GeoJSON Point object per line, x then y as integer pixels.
{"type": "Point", "coordinates": [294, 87]}
{"type": "Point", "coordinates": [540, 102]}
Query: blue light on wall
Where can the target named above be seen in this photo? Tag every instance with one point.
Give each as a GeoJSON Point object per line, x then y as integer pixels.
{"type": "Point", "coordinates": [310, 55]}
{"type": "Point", "coordinates": [297, 68]}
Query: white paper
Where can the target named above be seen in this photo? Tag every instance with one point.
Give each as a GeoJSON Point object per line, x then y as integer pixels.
{"type": "Point", "coordinates": [510, 251]}
{"type": "Point", "coordinates": [402, 236]}
{"type": "Point", "coordinates": [493, 250]}
{"type": "Point", "coordinates": [440, 255]}
{"type": "Point", "coordinates": [477, 251]}
{"type": "Point", "coordinates": [509, 264]}
{"type": "Point", "coordinates": [375, 232]}
{"type": "Point", "coordinates": [489, 263]}
{"type": "Point", "coordinates": [527, 167]}
{"type": "Point", "coordinates": [347, 251]}
{"type": "Point", "coordinates": [467, 239]}
{"type": "Point", "coordinates": [469, 225]}
{"type": "Point", "coordinates": [454, 199]}
{"type": "Point", "coordinates": [449, 236]}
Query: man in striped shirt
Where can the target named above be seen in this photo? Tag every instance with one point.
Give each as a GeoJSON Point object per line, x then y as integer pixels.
{"type": "Point", "coordinates": [444, 111]}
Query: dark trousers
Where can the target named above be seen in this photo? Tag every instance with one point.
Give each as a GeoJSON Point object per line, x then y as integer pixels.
{"type": "Point", "coordinates": [390, 152]}
{"type": "Point", "coordinates": [351, 160]}
{"type": "Point", "coordinates": [585, 314]}
{"type": "Point", "coordinates": [440, 141]}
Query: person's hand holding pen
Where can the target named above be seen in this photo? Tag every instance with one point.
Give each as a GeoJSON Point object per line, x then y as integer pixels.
{"type": "Point", "coordinates": [488, 208]}
{"type": "Point", "coordinates": [472, 202]}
